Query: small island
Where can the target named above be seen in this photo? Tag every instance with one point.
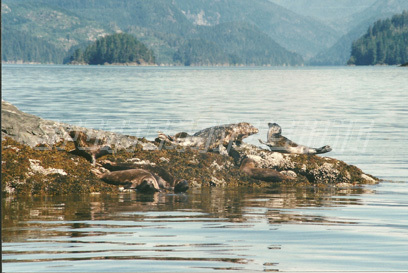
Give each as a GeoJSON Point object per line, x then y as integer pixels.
{"type": "Point", "coordinates": [116, 49]}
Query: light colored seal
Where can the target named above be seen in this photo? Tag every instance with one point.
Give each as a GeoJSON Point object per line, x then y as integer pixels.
{"type": "Point", "coordinates": [139, 179]}
{"type": "Point", "coordinates": [268, 175]}
{"type": "Point", "coordinates": [278, 143]}
{"type": "Point", "coordinates": [89, 147]}
{"type": "Point", "coordinates": [213, 137]}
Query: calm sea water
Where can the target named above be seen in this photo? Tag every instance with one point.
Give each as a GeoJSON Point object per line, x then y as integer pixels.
{"type": "Point", "coordinates": [361, 112]}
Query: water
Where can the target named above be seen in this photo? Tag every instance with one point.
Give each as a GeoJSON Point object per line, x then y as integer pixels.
{"type": "Point", "coordinates": [361, 112]}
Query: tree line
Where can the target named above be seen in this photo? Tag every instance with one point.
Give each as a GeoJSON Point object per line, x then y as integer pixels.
{"type": "Point", "coordinates": [386, 42]}
{"type": "Point", "coordinates": [21, 46]}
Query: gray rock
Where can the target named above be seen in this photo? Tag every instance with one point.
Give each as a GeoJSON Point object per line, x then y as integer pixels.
{"type": "Point", "coordinates": [32, 130]}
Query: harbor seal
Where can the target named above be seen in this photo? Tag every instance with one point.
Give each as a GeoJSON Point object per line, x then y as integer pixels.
{"type": "Point", "coordinates": [278, 143]}
{"type": "Point", "coordinates": [89, 147]}
{"type": "Point", "coordinates": [268, 175]}
{"type": "Point", "coordinates": [164, 179]}
{"type": "Point", "coordinates": [212, 138]}
{"type": "Point", "coordinates": [139, 179]}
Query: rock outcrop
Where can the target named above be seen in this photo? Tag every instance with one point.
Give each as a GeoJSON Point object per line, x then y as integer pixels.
{"type": "Point", "coordinates": [37, 157]}
{"type": "Point", "coordinates": [32, 131]}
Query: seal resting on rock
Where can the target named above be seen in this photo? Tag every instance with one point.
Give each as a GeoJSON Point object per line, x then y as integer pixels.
{"type": "Point", "coordinates": [164, 179]}
{"type": "Point", "coordinates": [278, 143]}
{"type": "Point", "coordinates": [213, 137]}
{"type": "Point", "coordinates": [268, 175]}
{"type": "Point", "coordinates": [90, 148]}
{"type": "Point", "coordinates": [139, 179]}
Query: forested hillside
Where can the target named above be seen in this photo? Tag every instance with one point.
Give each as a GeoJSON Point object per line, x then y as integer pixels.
{"type": "Point", "coordinates": [19, 46]}
{"type": "Point", "coordinates": [34, 32]}
{"type": "Point", "coordinates": [167, 27]}
{"type": "Point", "coordinates": [386, 42]}
{"type": "Point", "coordinates": [199, 32]}
{"type": "Point", "coordinates": [117, 48]}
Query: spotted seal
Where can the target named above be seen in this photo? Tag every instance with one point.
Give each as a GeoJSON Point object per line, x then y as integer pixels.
{"type": "Point", "coordinates": [212, 138]}
{"type": "Point", "coordinates": [268, 175]}
{"type": "Point", "coordinates": [89, 147]}
{"type": "Point", "coordinates": [278, 143]}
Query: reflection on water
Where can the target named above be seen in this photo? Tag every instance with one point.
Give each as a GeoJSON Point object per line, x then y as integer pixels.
{"type": "Point", "coordinates": [209, 228]}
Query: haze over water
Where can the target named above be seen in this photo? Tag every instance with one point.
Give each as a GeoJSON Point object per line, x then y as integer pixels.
{"type": "Point", "coordinates": [361, 112]}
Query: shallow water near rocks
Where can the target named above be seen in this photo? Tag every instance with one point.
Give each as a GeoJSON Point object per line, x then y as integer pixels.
{"type": "Point", "coordinates": [361, 112]}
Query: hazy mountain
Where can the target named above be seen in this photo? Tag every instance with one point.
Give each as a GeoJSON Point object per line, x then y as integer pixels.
{"type": "Point", "coordinates": [247, 44]}
{"type": "Point", "coordinates": [165, 26]}
{"type": "Point", "coordinates": [339, 53]}
{"type": "Point", "coordinates": [337, 14]}
{"type": "Point", "coordinates": [235, 31]}
{"type": "Point", "coordinates": [381, 9]}
{"type": "Point", "coordinates": [297, 33]}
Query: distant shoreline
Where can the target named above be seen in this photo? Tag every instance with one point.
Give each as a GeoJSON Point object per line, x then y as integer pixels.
{"type": "Point", "coordinates": [116, 64]}
{"type": "Point", "coordinates": [153, 65]}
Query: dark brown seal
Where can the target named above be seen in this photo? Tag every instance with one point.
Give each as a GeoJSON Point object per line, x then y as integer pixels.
{"type": "Point", "coordinates": [268, 175]}
{"type": "Point", "coordinates": [139, 179]}
{"type": "Point", "coordinates": [165, 180]}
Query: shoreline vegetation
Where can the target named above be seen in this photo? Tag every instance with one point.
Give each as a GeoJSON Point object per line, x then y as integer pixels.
{"type": "Point", "coordinates": [178, 65]}
{"type": "Point", "coordinates": [385, 43]}
{"type": "Point", "coordinates": [38, 157]}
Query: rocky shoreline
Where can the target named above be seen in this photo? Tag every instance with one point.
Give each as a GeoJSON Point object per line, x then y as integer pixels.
{"type": "Point", "coordinates": [37, 158]}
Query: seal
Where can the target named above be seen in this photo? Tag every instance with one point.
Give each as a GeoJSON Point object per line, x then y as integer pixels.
{"type": "Point", "coordinates": [165, 180]}
{"type": "Point", "coordinates": [139, 179]}
{"type": "Point", "coordinates": [213, 137]}
{"type": "Point", "coordinates": [278, 143]}
{"type": "Point", "coordinates": [89, 147]}
{"type": "Point", "coordinates": [268, 175]}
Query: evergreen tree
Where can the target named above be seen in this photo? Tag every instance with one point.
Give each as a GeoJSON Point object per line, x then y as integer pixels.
{"type": "Point", "coordinates": [386, 42]}
{"type": "Point", "coordinates": [116, 48]}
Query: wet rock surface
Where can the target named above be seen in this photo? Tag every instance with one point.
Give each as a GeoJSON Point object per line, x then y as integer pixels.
{"type": "Point", "coordinates": [37, 158]}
